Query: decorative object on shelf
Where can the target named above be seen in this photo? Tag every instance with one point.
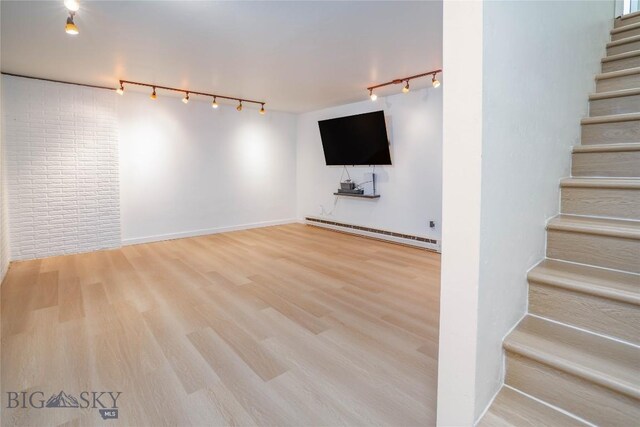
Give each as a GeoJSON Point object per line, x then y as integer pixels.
{"type": "Point", "coordinates": [365, 189]}
{"type": "Point", "coordinates": [405, 88]}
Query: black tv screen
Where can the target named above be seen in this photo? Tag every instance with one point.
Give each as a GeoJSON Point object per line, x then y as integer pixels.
{"type": "Point", "coordinates": [355, 140]}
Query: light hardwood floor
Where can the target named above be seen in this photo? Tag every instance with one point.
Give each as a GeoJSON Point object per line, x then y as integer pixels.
{"type": "Point", "coordinates": [290, 325]}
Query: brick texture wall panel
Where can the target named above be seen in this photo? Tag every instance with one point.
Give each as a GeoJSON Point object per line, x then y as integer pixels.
{"type": "Point", "coordinates": [61, 148]}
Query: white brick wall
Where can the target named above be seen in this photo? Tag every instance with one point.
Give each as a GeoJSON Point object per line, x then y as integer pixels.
{"type": "Point", "coordinates": [4, 210]}
{"type": "Point", "coordinates": [62, 167]}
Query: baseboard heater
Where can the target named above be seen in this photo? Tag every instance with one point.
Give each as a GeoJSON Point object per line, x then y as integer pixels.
{"type": "Point", "coordinates": [391, 236]}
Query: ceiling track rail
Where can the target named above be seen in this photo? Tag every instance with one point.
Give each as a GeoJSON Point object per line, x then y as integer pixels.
{"type": "Point", "coordinates": [4, 73]}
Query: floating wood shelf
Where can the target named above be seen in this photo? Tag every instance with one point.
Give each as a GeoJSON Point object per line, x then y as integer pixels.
{"type": "Point", "coordinates": [362, 196]}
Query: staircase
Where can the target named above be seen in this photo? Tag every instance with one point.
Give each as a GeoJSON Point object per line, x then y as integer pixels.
{"type": "Point", "coordinates": [575, 358]}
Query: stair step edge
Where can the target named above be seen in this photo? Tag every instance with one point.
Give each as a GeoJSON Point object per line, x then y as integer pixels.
{"type": "Point", "coordinates": [607, 148]}
{"type": "Point", "coordinates": [584, 287]}
{"type": "Point", "coordinates": [626, 40]}
{"type": "Point", "coordinates": [618, 73]}
{"type": "Point", "coordinates": [511, 406]}
{"type": "Point", "coordinates": [547, 358]}
{"type": "Point", "coordinates": [624, 28]}
{"type": "Point", "coordinates": [619, 56]}
{"type": "Point", "coordinates": [615, 118]}
{"type": "Point", "coordinates": [627, 229]}
{"type": "Point", "coordinates": [609, 183]}
{"type": "Point", "coordinates": [614, 94]}
{"type": "Point", "coordinates": [628, 16]}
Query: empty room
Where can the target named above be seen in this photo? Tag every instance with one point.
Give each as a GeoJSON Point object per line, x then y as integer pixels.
{"type": "Point", "coordinates": [319, 213]}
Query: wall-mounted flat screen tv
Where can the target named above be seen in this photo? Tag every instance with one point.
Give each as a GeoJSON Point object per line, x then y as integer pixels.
{"type": "Point", "coordinates": [355, 140]}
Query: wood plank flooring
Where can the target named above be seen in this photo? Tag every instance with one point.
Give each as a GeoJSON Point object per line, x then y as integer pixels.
{"type": "Point", "coordinates": [281, 326]}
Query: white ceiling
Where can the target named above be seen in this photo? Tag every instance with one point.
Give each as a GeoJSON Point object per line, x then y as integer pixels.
{"type": "Point", "coordinates": [297, 56]}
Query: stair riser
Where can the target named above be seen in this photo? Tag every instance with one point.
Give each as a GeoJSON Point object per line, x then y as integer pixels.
{"type": "Point", "coordinates": [594, 403]}
{"type": "Point", "coordinates": [613, 164]}
{"type": "Point", "coordinates": [621, 64]}
{"type": "Point", "coordinates": [631, 81]}
{"type": "Point", "coordinates": [613, 318]}
{"type": "Point", "coordinates": [600, 251]}
{"type": "Point", "coordinates": [611, 106]}
{"type": "Point", "coordinates": [628, 21]}
{"type": "Point", "coordinates": [602, 202]}
{"type": "Point", "coordinates": [611, 133]}
{"type": "Point", "coordinates": [625, 34]}
{"type": "Point", "coordinates": [623, 48]}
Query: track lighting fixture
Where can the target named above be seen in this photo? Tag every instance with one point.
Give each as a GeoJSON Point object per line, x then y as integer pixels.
{"type": "Point", "coordinates": [188, 93]}
{"type": "Point", "coordinates": [435, 82]}
{"type": "Point", "coordinates": [405, 82]}
{"type": "Point", "coordinates": [72, 5]}
{"type": "Point", "coordinates": [71, 28]}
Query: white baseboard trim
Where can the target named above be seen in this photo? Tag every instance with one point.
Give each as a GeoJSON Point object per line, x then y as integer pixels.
{"type": "Point", "coordinates": [374, 233]}
{"type": "Point", "coordinates": [204, 232]}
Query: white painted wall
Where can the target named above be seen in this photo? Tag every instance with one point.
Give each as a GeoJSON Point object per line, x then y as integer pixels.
{"type": "Point", "coordinates": [189, 169]}
{"type": "Point", "coordinates": [62, 168]}
{"type": "Point", "coordinates": [549, 59]}
{"type": "Point", "coordinates": [410, 189]}
{"type": "Point", "coordinates": [461, 184]}
{"type": "Point", "coordinates": [546, 54]}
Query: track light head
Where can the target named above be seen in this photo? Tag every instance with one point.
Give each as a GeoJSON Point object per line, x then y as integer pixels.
{"type": "Point", "coordinates": [239, 107]}
{"type": "Point", "coordinates": [72, 5]}
{"type": "Point", "coordinates": [120, 90]}
{"type": "Point", "coordinates": [435, 82]}
{"type": "Point", "coordinates": [214, 104]}
{"type": "Point", "coordinates": [153, 94]}
{"type": "Point", "coordinates": [405, 89]}
{"type": "Point", "coordinates": [372, 95]}
{"type": "Point", "coordinates": [262, 110]}
{"type": "Point", "coordinates": [186, 98]}
{"type": "Point", "coordinates": [71, 28]}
